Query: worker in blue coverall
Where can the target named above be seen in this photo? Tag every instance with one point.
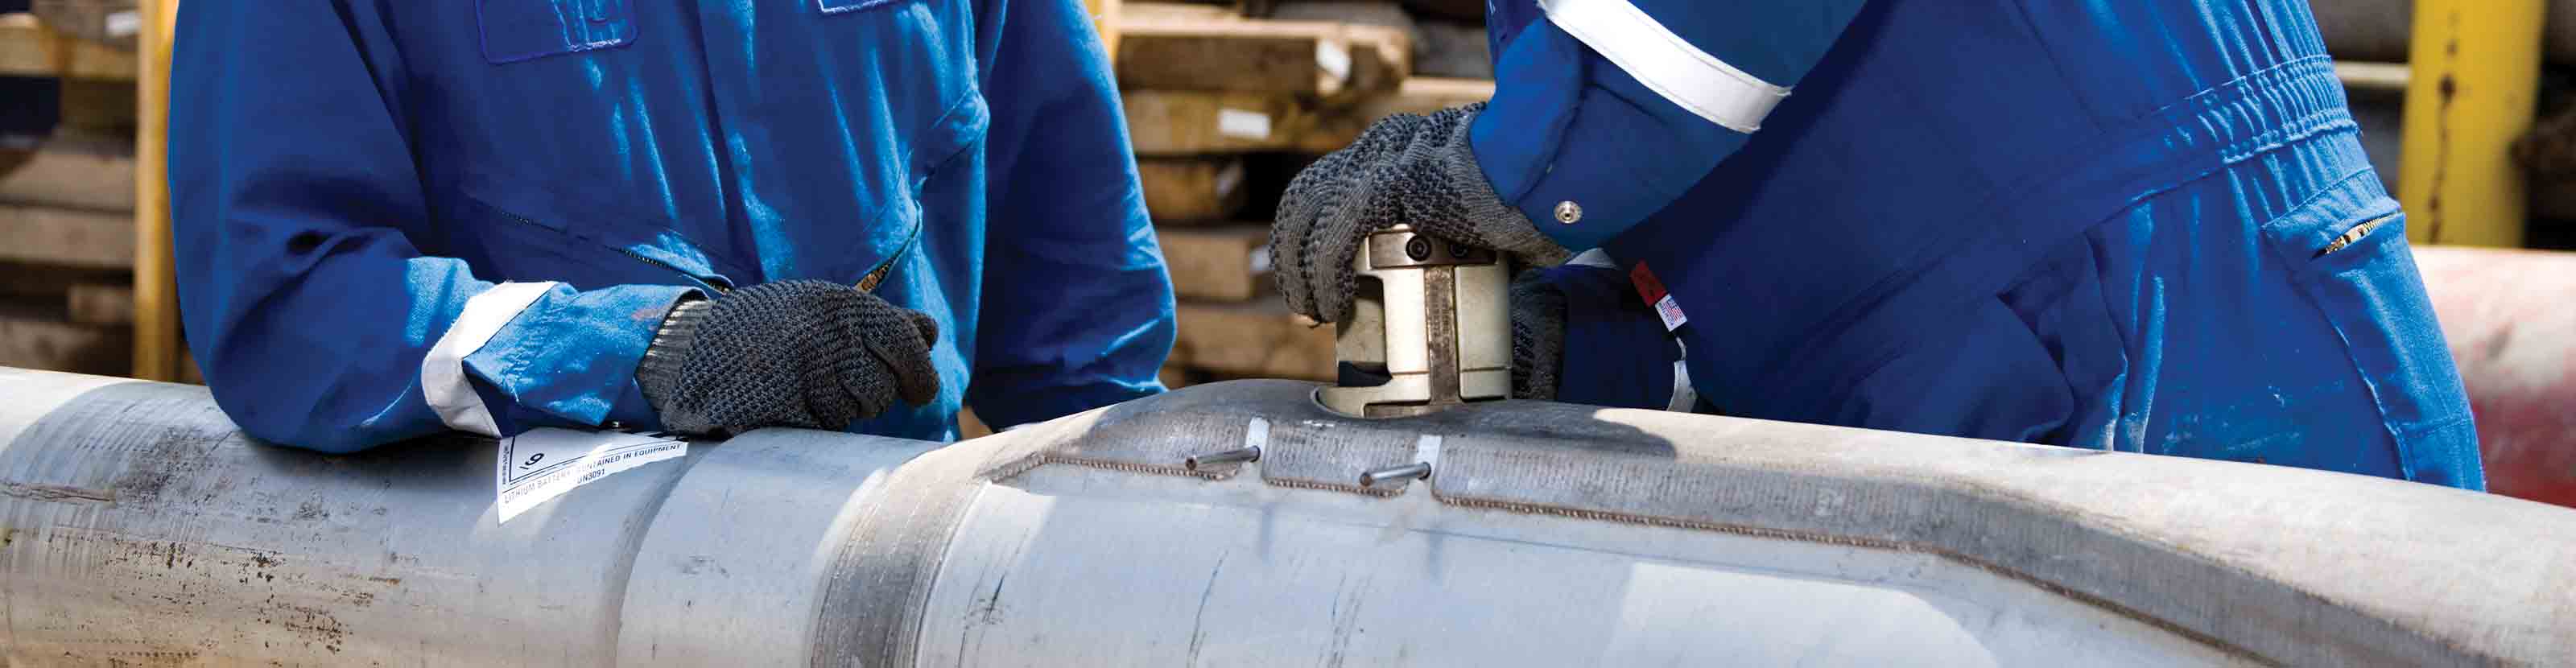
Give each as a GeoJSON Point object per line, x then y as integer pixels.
{"type": "Point", "coordinates": [2137, 225]}
{"type": "Point", "coordinates": [395, 217]}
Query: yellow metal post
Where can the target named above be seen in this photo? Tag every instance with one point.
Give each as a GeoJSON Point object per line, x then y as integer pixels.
{"type": "Point", "coordinates": [156, 293]}
{"type": "Point", "coordinates": [2476, 75]}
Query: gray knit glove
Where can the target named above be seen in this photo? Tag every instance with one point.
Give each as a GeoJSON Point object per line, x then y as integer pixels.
{"type": "Point", "coordinates": [807, 354]}
{"type": "Point", "coordinates": [1538, 336]}
{"type": "Point", "coordinates": [1406, 169]}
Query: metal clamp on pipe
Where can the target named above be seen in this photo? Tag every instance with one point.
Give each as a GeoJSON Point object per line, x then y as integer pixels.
{"type": "Point", "coordinates": [1431, 328]}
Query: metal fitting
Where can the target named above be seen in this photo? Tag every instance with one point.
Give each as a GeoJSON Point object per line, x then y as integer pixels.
{"type": "Point", "coordinates": [1413, 471]}
{"type": "Point", "coordinates": [1248, 454]}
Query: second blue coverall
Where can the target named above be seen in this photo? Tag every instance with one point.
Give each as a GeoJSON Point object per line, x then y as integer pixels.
{"type": "Point", "coordinates": [396, 217]}
{"type": "Point", "coordinates": [2142, 225]}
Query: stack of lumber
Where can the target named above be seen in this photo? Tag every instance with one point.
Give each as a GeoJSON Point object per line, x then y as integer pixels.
{"type": "Point", "coordinates": [67, 215]}
{"type": "Point", "coordinates": [67, 208]}
{"type": "Point", "coordinates": [1223, 110]}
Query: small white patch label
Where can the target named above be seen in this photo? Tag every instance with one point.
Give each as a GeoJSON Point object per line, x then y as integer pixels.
{"type": "Point", "coordinates": [1334, 59]}
{"type": "Point", "coordinates": [1242, 124]}
{"type": "Point", "coordinates": [543, 463]}
{"type": "Point", "coordinates": [1671, 312]}
{"type": "Point", "coordinates": [124, 24]}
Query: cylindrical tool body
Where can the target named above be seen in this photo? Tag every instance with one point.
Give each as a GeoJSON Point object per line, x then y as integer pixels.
{"type": "Point", "coordinates": [1431, 327]}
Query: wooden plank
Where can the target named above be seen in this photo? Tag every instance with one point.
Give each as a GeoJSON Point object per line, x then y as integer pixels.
{"type": "Point", "coordinates": [1192, 189]}
{"type": "Point", "coordinates": [1184, 123]}
{"type": "Point", "coordinates": [1259, 338]}
{"type": "Point", "coordinates": [66, 237]}
{"type": "Point", "coordinates": [1180, 123]}
{"type": "Point", "coordinates": [1174, 377]}
{"type": "Point", "coordinates": [71, 172]}
{"type": "Point", "coordinates": [35, 337]}
{"type": "Point", "coordinates": [102, 107]}
{"type": "Point", "coordinates": [28, 48]}
{"type": "Point", "coordinates": [1423, 95]}
{"type": "Point", "coordinates": [1331, 132]}
{"type": "Point", "coordinates": [98, 304]}
{"type": "Point", "coordinates": [1222, 263]}
{"type": "Point", "coordinates": [47, 283]}
{"type": "Point", "coordinates": [1167, 46]}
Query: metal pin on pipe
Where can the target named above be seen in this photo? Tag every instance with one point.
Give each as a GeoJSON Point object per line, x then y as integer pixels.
{"type": "Point", "coordinates": [1413, 471]}
{"type": "Point", "coordinates": [1244, 454]}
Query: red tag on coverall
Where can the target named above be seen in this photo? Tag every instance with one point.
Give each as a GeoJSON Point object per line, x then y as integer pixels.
{"type": "Point", "coordinates": [1652, 289]}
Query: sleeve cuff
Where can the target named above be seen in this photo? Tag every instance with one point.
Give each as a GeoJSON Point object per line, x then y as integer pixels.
{"type": "Point", "coordinates": [571, 356]}
{"type": "Point", "coordinates": [1601, 151]}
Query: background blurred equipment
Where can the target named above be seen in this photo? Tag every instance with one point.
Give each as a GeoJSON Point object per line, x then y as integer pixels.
{"type": "Point", "coordinates": [116, 23]}
{"type": "Point", "coordinates": [1430, 328]}
{"type": "Point", "coordinates": [2473, 93]}
{"type": "Point", "coordinates": [143, 528]}
{"type": "Point", "coordinates": [2505, 314]}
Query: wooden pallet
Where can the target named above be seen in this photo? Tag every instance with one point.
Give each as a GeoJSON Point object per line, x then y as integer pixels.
{"type": "Point", "coordinates": [1192, 190]}
{"type": "Point", "coordinates": [28, 48]}
{"type": "Point", "coordinates": [1177, 47]}
{"type": "Point", "coordinates": [1192, 123]}
{"type": "Point", "coordinates": [37, 335]}
{"type": "Point", "coordinates": [66, 237]}
{"type": "Point", "coordinates": [70, 172]}
{"type": "Point", "coordinates": [1230, 263]}
{"type": "Point", "coordinates": [1258, 339]}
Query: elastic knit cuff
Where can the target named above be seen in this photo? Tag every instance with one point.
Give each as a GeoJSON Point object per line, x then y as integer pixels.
{"type": "Point", "coordinates": [659, 372]}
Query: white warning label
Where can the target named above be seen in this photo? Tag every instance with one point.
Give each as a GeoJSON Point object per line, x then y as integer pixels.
{"type": "Point", "coordinates": [544, 463]}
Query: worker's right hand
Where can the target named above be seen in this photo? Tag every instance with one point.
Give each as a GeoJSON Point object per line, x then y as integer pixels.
{"type": "Point", "coordinates": [807, 354]}
{"type": "Point", "coordinates": [1407, 169]}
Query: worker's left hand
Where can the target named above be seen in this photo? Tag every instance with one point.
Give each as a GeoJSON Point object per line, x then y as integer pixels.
{"type": "Point", "coordinates": [1538, 336]}
{"type": "Point", "coordinates": [1407, 169]}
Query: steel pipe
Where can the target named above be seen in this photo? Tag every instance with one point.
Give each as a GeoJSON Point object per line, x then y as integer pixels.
{"type": "Point", "coordinates": [138, 527]}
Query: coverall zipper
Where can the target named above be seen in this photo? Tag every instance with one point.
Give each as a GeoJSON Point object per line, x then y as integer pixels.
{"type": "Point", "coordinates": [639, 257]}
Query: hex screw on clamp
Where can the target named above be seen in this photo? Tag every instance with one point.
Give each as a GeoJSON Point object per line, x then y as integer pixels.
{"type": "Point", "coordinates": [1413, 471]}
{"type": "Point", "coordinates": [1249, 454]}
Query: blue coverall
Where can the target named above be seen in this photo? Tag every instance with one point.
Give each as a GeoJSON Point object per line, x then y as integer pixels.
{"type": "Point", "coordinates": [351, 178]}
{"type": "Point", "coordinates": [2142, 225]}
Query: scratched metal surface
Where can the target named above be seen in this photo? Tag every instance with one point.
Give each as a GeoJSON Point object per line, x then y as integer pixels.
{"type": "Point", "coordinates": [141, 530]}
{"type": "Point", "coordinates": [1050, 570]}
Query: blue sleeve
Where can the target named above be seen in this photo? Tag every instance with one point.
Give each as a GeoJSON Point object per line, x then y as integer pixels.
{"type": "Point", "coordinates": [1617, 107]}
{"type": "Point", "coordinates": [1077, 309]}
{"type": "Point", "coordinates": [304, 299]}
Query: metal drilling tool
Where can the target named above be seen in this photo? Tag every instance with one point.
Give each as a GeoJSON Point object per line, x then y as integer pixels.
{"type": "Point", "coordinates": [1431, 328]}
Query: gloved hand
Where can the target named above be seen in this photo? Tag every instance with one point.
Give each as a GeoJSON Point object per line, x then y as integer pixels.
{"type": "Point", "coordinates": [1538, 336]}
{"type": "Point", "coordinates": [1581, 334]}
{"type": "Point", "coordinates": [808, 354]}
{"type": "Point", "coordinates": [1406, 169]}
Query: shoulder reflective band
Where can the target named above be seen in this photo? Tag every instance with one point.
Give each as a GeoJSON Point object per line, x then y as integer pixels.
{"type": "Point", "coordinates": [1666, 63]}
{"type": "Point", "coordinates": [442, 372]}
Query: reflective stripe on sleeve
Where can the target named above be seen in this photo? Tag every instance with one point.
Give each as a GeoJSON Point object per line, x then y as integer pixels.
{"type": "Point", "coordinates": [442, 372]}
{"type": "Point", "coordinates": [1667, 64]}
